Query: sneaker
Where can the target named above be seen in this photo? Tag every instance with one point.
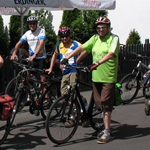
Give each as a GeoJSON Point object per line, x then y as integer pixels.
{"type": "Point", "coordinates": [147, 105]}
{"type": "Point", "coordinates": [104, 139]}
{"type": "Point", "coordinates": [100, 134]}
{"type": "Point", "coordinates": [70, 123]}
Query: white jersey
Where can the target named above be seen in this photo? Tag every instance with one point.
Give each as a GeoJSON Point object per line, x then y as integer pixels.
{"type": "Point", "coordinates": [33, 39]}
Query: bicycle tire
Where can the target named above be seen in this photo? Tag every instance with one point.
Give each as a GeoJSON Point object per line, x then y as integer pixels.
{"type": "Point", "coordinates": [4, 130]}
{"type": "Point", "coordinates": [146, 88]}
{"type": "Point", "coordinates": [129, 89]}
{"type": "Point", "coordinates": [48, 97]}
{"type": "Point", "coordinates": [11, 88]}
{"type": "Point", "coordinates": [56, 128]}
{"type": "Point", "coordinates": [95, 116]}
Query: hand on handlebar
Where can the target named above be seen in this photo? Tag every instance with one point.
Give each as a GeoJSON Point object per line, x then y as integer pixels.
{"type": "Point", "coordinates": [64, 61]}
{"type": "Point", "coordinates": [48, 70]}
{"type": "Point", "coordinates": [13, 57]}
{"type": "Point", "coordinates": [92, 67]}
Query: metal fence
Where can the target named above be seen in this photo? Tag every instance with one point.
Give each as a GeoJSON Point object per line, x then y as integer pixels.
{"type": "Point", "coordinates": [127, 62]}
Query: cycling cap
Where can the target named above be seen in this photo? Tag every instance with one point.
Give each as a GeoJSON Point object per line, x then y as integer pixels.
{"type": "Point", "coordinates": [32, 18]}
{"type": "Point", "coordinates": [102, 20]}
{"type": "Point", "coordinates": [64, 31]}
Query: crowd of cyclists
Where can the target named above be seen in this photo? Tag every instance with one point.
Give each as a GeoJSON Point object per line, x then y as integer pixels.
{"type": "Point", "coordinates": [104, 47]}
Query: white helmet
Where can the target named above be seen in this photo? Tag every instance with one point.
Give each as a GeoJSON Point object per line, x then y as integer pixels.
{"type": "Point", "coordinates": [32, 18]}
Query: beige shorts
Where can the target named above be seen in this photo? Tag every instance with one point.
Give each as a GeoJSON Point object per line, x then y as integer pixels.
{"type": "Point", "coordinates": [68, 79]}
{"type": "Point", "coordinates": [104, 95]}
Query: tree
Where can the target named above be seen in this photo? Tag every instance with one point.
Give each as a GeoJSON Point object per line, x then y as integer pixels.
{"type": "Point", "coordinates": [15, 29]}
{"type": "Point", "coordinates": [3, 40]}
{"type": "Point", "coordinates": [81, 23]}
{"type": "Point", "coordinates": [134, 38]}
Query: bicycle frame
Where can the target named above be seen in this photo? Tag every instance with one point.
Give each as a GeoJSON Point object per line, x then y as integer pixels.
{"type": "Point", "coordinates": [139, 73]}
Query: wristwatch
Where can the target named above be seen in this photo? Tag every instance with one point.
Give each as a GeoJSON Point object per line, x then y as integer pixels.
{"type": "Point", "coordinates": [98, 62]}
{"type": "Point", "coordinates": [35, 54]}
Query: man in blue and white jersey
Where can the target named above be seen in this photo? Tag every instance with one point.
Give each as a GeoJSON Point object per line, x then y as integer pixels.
{"type": "Point", "coordinates": [35, 37]}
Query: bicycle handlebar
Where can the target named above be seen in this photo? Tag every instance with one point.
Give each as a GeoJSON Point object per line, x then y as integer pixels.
{"type": "Point", "coordinates": [82, 68]}
{"type": "Point", "coordinates": [28, 67]}
{"type": "Point", "coordinates": [140, 56]}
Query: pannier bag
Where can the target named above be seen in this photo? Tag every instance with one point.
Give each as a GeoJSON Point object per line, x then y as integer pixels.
{"type": "Point", "coordinates": [118, 92]}
{"type": "Point", "coordinates": [6, 107]}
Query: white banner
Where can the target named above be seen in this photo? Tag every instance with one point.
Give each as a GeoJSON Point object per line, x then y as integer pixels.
{"type": "Point", "coordinates": [12, 11]}
{"type": "Point", "coordinates": [62, 4]}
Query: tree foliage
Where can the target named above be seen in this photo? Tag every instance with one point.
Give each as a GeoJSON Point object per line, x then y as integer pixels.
{"type": "Point", "coordinates": [15, 29]}
{"type": "Point", "coordinates": [45, 21]}
{"type": "Point", "coordinates": [81, 22]}
{"type": "Point", "coordinates": [134, 38]}
{"type": "Point", "coordinates": [3, 40]}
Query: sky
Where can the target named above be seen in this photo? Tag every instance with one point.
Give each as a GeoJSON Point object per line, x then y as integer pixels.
{"type": "Point", "coordinates": [128, 15]}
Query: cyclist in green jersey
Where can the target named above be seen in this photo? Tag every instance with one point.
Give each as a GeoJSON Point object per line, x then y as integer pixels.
{"type": "Point", "coordinates": [105, 49]}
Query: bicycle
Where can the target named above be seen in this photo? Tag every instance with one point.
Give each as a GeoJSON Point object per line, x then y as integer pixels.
{"type": "Point", "coordinates": [68, 107]}
{"type": "Point", "coordinates": [41, 95]}
{"type": "Point", "coordinates": [133, 82]}
{"type": "Point", "coordinates": [4, 128]}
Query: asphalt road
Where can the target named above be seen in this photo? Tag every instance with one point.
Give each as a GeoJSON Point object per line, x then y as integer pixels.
{"type": "Point", "coordinates": [130, 129]}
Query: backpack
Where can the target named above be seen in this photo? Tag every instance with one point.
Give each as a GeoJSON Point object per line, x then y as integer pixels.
{"type": "Point", "coordinates": [6, 107]}
{"type": "Point", "coordinates": [118, 99]}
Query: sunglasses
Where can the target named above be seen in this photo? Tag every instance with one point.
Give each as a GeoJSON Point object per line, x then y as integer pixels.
{"type": "Point", "coordinates": [65, 36]}
{"type": "Point", "coordinates": [98, 28]}
{"type": "Point", "coordinates": [32, 23]}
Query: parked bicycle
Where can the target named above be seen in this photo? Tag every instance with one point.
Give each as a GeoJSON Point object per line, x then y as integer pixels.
{"type": "Point", "coordinates": [133, 82]}
{"type": "Point", "coordinates": [5, 106]}
{"type": "Point", "coordinates": [41, 93]}
{"type": "Point", "coordinates": [68, 108]}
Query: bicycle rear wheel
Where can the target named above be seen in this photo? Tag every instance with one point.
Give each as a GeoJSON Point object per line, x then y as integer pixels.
{"type": "Point", "coordinates": [95, 116]}
{"type": "Point", "coordinates": [4, 129]}
{"type": "Point", "coordinates": [130, 87]}
{"type": "Point", "coordinates": [60, 114]}
{"type": "Point", "coordinates": [146, 88]}
{"type": "Point", "coordinates": [49, 96]}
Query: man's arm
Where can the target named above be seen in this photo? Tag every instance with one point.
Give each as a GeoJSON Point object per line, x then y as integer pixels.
{"type": "Point", "coordinates": [1, 61]}
{"type": "Point", "coordinates": [52, 63]}
{"type": "Point", "coordinates": [106, 57]}
{"type": "Point", "coordinates": [17, 46]}
{"type": "Point", "coordinates": [81, 56]}
{"type": "Point", "coordinates": [75, 52]}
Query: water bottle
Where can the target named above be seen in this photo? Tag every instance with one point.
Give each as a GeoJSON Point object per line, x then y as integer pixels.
{"type": "Point", "coordinates": [33, 92]}
{"type": "Point", "coordinates": [84, 101]}
{"type": "Point", "coordinates": [33, 77]}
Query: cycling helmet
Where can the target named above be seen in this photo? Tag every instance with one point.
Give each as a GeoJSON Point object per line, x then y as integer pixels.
{"type": "Point", "coordinates": [63, 31]}
{"type": "Point", "coordinates": [32, 18]}
{"type": "Point", "coordinates": [102, 20]}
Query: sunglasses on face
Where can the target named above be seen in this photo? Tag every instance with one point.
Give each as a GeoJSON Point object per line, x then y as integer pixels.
{"type": "Point", "coordinates": [98, 28]}
{"type": "Point", "coordinates": [65, 36]}
{"type": "Point", "coordinates": [32, 23]}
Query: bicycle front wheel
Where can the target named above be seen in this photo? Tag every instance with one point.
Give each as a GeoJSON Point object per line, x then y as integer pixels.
{"type": "Point", "coordinates": [95, 116]}
{"type": "Point", "coordinates": [19, 103]}
{"type": "Point", "coordinates": [130, 87]}
{"type": "Point", "coordinates": [48, 97]}
{"type": "Point", "coordinates": [12, 86]}
{"type": "Point", "coordinates": [62, 120]}
{"type": "Point", "coordinates": [146, 88]}
{"type": "Point", "coordinates": [4, 129]}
